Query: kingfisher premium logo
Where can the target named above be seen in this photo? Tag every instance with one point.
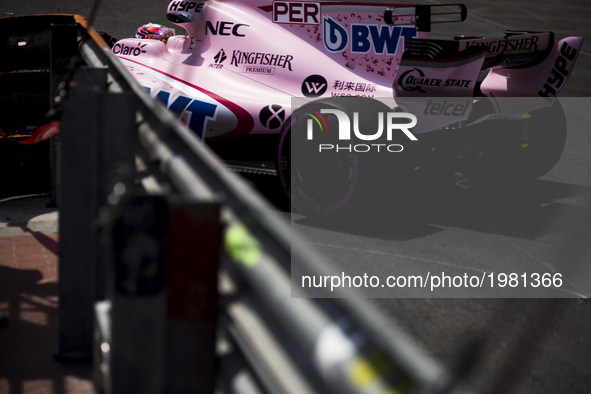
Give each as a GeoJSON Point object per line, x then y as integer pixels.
{"type": "Point", "coordinates": [261, 59]}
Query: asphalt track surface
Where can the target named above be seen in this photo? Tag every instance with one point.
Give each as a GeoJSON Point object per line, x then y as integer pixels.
{"type": "Point", "coordinates": [513, 345]}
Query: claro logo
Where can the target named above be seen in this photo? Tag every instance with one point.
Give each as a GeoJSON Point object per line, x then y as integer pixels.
{"type": "Point", "coordinates": [125, 50]}
{"type": "Point", "coordinates": [388, 124]}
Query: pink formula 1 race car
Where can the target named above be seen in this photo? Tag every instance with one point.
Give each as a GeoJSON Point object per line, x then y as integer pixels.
{"type": "Point", "coordinates": [233, 74]}
{"type": "Point", "coordinates": [236, 71]}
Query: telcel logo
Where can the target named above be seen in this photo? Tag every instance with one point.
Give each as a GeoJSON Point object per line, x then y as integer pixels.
{"type": "Point", "coordinates": [344, 132]}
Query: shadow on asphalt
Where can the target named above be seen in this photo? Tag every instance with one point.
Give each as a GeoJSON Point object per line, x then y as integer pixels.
{"type": "Point", "coordinates": [525, 211]}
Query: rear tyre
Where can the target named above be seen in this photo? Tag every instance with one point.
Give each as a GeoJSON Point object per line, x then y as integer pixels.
{"type": "Point", "coordinates": [525, 157]}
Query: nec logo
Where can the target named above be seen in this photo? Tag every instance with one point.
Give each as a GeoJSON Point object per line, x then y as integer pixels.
{"type": "Point", "coordinates": [296, 12]}
{"type": "Point", "coordinates": [224, 28]}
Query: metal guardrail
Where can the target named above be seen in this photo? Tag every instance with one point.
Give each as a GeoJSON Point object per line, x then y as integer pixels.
{"type": "Point", "coordinates": [289, 343]}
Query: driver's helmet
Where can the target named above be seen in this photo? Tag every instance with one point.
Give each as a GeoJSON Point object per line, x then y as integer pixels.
{"type": "Point", "coordinates": [154, 31]}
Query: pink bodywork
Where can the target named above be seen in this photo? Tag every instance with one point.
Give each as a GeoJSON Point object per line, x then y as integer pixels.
{"type": "Point", "coordinates": [238, 63]}
{"type": "Point", "coordinates": [241, 62]}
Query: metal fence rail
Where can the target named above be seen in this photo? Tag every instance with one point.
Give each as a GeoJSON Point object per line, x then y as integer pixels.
{"type": "Point", "coordinates": [288, 344]}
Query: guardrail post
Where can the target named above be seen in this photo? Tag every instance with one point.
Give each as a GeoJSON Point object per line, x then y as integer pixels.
{"type": "Point", "coordinates": [193, 261]}
{"type": "Point", "coordinates": [64, 48]}
{"type": "Point", "coordinates": [164, 302]}
{"type": "Point", "coordinates": [97, 137]}
{"type": "Point", "coordinates": [139, 296]}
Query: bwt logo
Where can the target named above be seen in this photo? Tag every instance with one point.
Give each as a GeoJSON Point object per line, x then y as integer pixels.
{"type": "Point", "coordinates": [386, 125]}
{"type": "Point", "coordinates": [195, 113]}
{"type": "Point", "coordinates": [364, 38]}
